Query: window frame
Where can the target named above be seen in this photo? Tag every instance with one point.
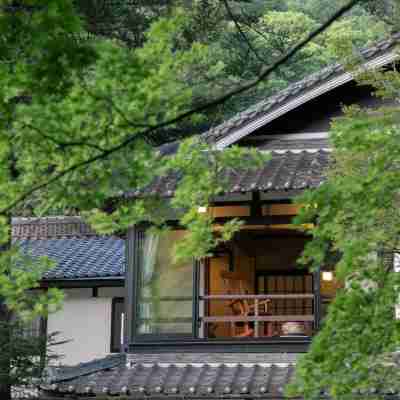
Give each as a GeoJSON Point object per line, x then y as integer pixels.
{"type": "Point", "coordinates": [136, 238]}
{"type": "Point", "coordinates": [113, 348]}
{"type": "Point", "coordinates": [136, 341]}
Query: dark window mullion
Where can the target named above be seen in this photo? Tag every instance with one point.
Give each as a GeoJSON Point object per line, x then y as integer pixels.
{"type": "Point", "coordinates": [117, 309]}
{"type": "Point", "coordinates": [133, 256]}
{"type": "Point", "coordinates": [196, 302]}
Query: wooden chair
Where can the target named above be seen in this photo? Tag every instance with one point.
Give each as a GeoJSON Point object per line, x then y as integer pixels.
{"type": "Point", "coordinates": [238, 284]}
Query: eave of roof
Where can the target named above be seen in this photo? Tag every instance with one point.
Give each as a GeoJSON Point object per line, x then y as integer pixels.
{"type": "Point", "coordinates": [297, 94]}
{"type": "Point", "coordinates": [75, 283]}
{"type": "Point", "coordinates": [287, 173]}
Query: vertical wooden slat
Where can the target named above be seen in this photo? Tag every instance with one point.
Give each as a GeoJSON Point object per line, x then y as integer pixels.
{"type": "Point", "coordinates": [256, 323]}
{"type": "Point", "coordinates": [285, 288]}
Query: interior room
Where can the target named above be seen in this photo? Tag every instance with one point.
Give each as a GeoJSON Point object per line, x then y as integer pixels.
{"type": "Point", "coordinates": [251, 287]}
{"type": "Point", "coordinates": [254, 287]}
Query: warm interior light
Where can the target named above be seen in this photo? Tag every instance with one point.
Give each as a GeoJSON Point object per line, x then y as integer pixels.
{"type": "Point", "coordinates": [327, 276]}
{"type": "Point", "coordinates": [202, 209]}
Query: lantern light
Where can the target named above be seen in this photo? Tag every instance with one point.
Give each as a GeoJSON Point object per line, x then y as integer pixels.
{"type": "Point", "coordinates": [327, 275]}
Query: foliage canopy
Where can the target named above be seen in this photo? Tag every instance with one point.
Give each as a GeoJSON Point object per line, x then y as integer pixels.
{"type": "Point", "coordinates": [356, 215]}
{"type": "Point", "coordinates": [82, 121]}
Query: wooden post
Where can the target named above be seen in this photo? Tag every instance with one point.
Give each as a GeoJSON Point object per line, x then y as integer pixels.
{"type": "Point", "coordinates": [256, 323]}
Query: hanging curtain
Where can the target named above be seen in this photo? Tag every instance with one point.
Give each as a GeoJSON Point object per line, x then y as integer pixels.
{"type": "Point", "coordinates": [149, 259]}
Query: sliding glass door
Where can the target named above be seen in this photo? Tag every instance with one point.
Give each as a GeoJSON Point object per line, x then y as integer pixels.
{"type": "Point", "coordinates": [165, 288]}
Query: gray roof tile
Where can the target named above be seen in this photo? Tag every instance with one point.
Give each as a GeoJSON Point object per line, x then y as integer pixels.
{"type": "Point", "coordinates": [66, 373]}
{"type": "Point", "coordinates": [50, 227]}
{"type": "Point", "coordinates": [213, 380]}
{"type": "Point", "coordinates": [285, 171]}
{"type": "Point", "coordinates": [80, 258]}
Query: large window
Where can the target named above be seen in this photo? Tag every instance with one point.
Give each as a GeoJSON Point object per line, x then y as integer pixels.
{"type": "Point", "coordinates": [250, 288]}
{"type": "Point", "coordinates": [165, 292]}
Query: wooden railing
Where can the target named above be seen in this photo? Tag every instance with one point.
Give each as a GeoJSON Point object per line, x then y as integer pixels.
{"type": "Point", "coordinates": [256, 317]}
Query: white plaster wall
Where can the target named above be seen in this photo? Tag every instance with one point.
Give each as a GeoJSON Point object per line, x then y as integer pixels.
{"type": "Point", "coordinates": [111, 292]}
{"type": "Point", "coordinates": [86, 322]}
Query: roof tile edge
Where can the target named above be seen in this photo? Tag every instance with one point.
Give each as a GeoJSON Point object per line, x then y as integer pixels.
{"type": "Point", "coordinates": [50, 227]}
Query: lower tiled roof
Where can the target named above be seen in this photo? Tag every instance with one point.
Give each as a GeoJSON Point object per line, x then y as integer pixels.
{"type": "Point", "coordinates": [77, 250]}
{"type": "Point", "coordinates": [214, 378]}
{"type": "Point", "coordinates": [67, 373]}
{"type": "Point", "coordinates": [80, 258]}
{"type": "Point", "coordinates": [188, 380]}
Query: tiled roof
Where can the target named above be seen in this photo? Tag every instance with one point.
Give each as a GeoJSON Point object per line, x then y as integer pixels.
{"type": "Point", "coordinates": [280, 101]}
{"type": "Point", "coordinates": [67, 373]}
{"type": "Point", "coordinates": [114, 377]}
{"type": "Point", "coordinates": [286, 171]}
{"type": "Point", "coordinates": [80, 258]}
{"type": "Point", "coordinates": [289, 171]}
{"type": "Point", "coordinates": [75, 248]}
{"type": "Point", "coordinates": [50, 227]}
{"type": "Point", "coordinates": [188, 380]}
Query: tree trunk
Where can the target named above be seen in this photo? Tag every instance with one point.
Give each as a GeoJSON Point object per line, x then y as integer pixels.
{"type": "Point", "coordinates": [5, 362]}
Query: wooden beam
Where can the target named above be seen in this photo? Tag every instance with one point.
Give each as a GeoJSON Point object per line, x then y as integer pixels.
{"type": "Point", "coordinates": [267, 318]}
{"type": "Point", "coordinates": [257, 296]}
{"type": "Point", "coordinates": [281, 209]}
{"type": "Point", "coordinates": [230, 211]}
{"type": "Point", "coordinates": [82, 283]}
{"type": "Point", "coordinates": [260, 220]}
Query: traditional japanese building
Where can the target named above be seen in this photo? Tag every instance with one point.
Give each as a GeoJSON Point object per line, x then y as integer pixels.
{"type": "Point", "coordinates": [233, 325]}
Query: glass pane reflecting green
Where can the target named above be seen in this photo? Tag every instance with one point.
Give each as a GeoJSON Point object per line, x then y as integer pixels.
{"type": "Point", "coordinates": [165, 287]}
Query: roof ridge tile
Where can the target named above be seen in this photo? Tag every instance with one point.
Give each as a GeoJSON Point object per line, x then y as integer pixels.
{"type": "Point", "coordinates": [51, 227]}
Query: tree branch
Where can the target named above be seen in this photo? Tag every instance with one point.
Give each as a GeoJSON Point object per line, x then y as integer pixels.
{"type": "Point", "coordinates": [241, 33]}
{"type": "Point", "coordinates": [131, 139]}
{"type": "Point", "coordinates": [111, 102]}
{"type": "Point", "coordinates": [62, 145]}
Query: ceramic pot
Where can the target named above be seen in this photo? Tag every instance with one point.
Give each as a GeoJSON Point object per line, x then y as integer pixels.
{"type": "Point", "coordinates": [293, 328]}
